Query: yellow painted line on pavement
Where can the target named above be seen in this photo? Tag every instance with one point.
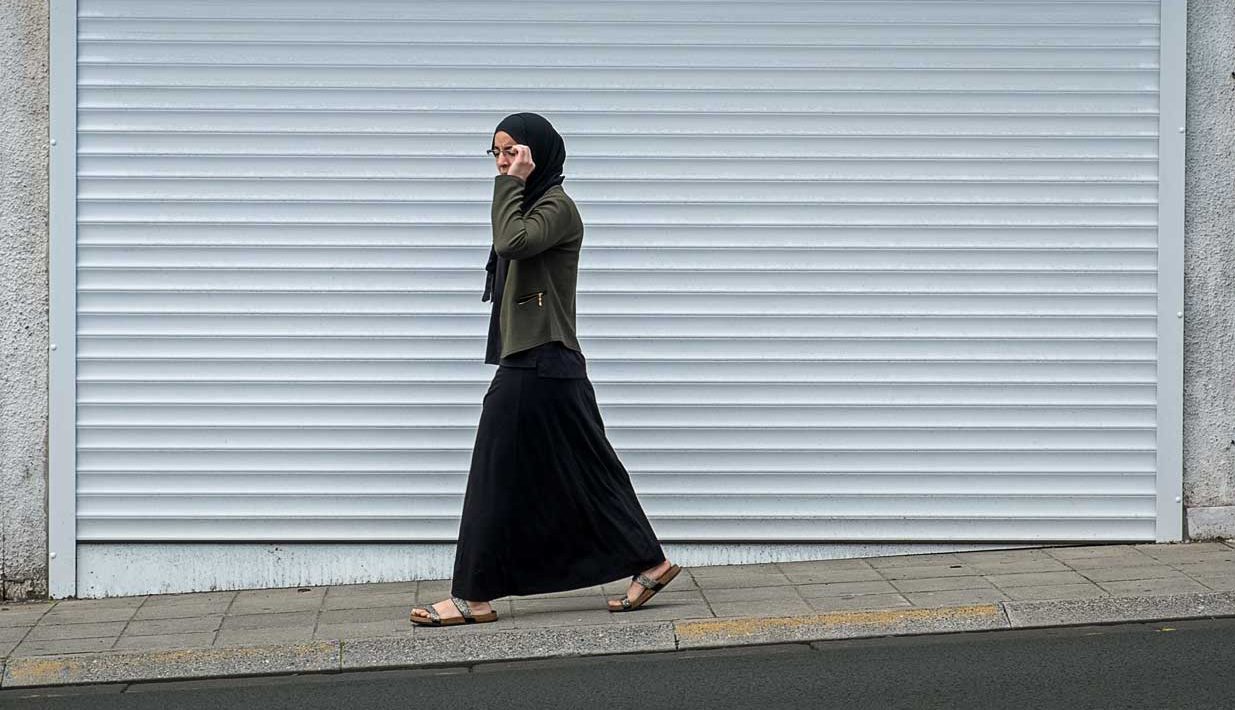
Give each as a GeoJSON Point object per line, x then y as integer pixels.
{"type": "Point", "coordinates": [884, 617]}
{"type": "Point", "coordinates": [166, 664]}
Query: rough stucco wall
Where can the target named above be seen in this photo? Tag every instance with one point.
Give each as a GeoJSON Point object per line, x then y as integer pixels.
{"type": "Point", "coordinates": [1209, 259]}
{"type": "Point", "coordinates": [23, 298]}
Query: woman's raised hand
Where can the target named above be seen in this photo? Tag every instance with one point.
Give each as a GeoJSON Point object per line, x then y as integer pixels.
{"type": "Point", "coordinates": [523, 165]}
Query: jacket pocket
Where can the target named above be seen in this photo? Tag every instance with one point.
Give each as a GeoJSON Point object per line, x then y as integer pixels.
{"type": "Point", "coordinates": [538, 297]}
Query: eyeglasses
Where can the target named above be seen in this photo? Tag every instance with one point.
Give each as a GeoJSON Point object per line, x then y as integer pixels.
{"type": "Point", "coordinates": [510, 152]}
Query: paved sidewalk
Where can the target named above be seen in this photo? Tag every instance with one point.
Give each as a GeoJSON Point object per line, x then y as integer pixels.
{"type": "Point", "coordinates": [365, 626]}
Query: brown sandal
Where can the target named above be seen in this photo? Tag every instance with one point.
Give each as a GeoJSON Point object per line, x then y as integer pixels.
{"type": "Point", "coordinates": [651, 587]}
{"type": "Point", "coordinates": [464, 608]}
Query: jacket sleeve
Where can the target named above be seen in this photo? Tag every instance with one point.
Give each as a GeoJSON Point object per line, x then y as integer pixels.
{"type": "Point", "coordinates": [519, 236]}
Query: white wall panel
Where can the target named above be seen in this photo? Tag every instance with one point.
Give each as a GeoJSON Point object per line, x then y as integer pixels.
{"type": "Point", "coordinates": [854, 271]}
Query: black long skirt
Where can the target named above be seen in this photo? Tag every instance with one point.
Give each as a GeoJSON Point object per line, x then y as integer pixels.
{"type": "Point", "coordinates": [549, 506]}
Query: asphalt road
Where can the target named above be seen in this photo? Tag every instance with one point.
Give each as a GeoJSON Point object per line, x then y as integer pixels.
{"type": "Point", "coordinates": [1164, 665]}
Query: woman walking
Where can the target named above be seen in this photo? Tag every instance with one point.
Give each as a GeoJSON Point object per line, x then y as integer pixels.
{"type": "Point", "coordinates": [548, 506]}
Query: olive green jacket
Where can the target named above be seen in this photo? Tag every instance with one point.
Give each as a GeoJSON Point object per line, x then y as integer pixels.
{"type": "Point", "coordinates": [538, 299]}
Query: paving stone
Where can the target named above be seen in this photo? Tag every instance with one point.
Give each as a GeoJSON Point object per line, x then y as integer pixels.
{"type": "Point", "coordinates": [829, 571]}
{"type": "Point", "coordinates": [259, 637]}
{"type": "Point", "coordinates": [922, 560]}
{"type": "Point", "coordinates": [1091, 551]}
{"type": "Point", "coordinates": [367, 629]}
{"type": "Point", "coordinates": [281, 593]}
{"type": "Point", "coordinates": [431, 591]}
{"type": "Point", "coordinates": [1193, 569]}
{"type": "Point", "coordinates": [1180, 552]}
{"type": "Point", "coordinates": [732, 576]}
{"type": "Point", "coordinates": [368, 601]}
{"type": "Point", "coordinates": [444, 580]}
{"type": "Point", "coordinates": [522, 604]}
{"type": "Point", "coordinates": [14, 633]}
{"type": "Point", "coordinates": [1036, 579]}
{"type": "Point", "coordinates": [1021, 556]}
{"type": "Point", "coordinates": [163, 627]}
{"type": "Point", "coordinates": [559, 612]}
{"type": "Point", "coordinates": [682, 581]}
{"type": "Point", "coordinates": [79, 615]}
{"type": "Point", "coordinates": [368, 614]}
{"type": "Point", "coordinates": [58, 646]}
{"type": "Point", "coordinates": [950, 570]}
{"type": "Point", "coordinates": [75, 631]}
{"type": "Point", "coordinates": [24, 619]}
{"type": "Point", "coordinates": [149, 643]}
{"type": "Point", "coordinates": [751, 594]}
{"type": "Point", "coordinates": [190, 599]}
{"type": "Point", "coordinates": [1218, 583]}
{"type": "Point", "coordinates": [860, 601]}
{"type": "Point", "coordinates": [17, 607]}
{"type": "Point", "coordinates": [286, 620]}
{"type": "Point", "coordinates": [1115, 559]}
{"type": "Point", "coordinates": [1048, 564]}
{"type": "Point", "coordinates": [940, 584]}
{"type": "Point", "coordinates": [1055, 591]}
{"type": "Point", "coordinates": [767, 607]}
{"type": "Point", "coordinates": [23, 614]}
{"type": "Point", "coordinates": [838, 589]}
{"type": "Point", "coordinates": [180, 611]}
{"type": "Point", "coordinates": [953, 597]}
{"type": "Point", "coordinates": [1143, 587]}
{"type": "Point", "coordinates": [667, 610]}
{"type": "Point", "coordinates": [107, 603]}
{"type": "Point", "coordinates": [824, 565]}
{"type": "Point", "coordinates": [1117, 574]}
{"type": "Point", "coordinates": [537, 619]}
{"type": "Point", "coordinates": [277, 600]}
{"type": "Point", "coordinates": [378, 588]}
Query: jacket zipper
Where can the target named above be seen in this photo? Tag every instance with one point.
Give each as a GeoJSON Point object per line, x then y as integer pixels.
{"type": "Point", "coordinates": [539, 299]}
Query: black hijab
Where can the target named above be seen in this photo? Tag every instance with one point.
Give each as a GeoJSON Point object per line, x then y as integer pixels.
{"type": "Point", "coordinates": [549, 154]}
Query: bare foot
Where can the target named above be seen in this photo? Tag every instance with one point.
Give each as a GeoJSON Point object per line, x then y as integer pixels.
{"type": "Point", "coordinates": [633, 591]}
{"type": "Point", "coordinates": [447, 609]}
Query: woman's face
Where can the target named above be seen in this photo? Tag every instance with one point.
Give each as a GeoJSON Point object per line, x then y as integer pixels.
{"type": "Point", "coordinates": [504, 142]}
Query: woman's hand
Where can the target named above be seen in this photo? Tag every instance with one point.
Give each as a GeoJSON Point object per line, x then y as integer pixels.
{"type": "Point", "coordinates": [523, 165]}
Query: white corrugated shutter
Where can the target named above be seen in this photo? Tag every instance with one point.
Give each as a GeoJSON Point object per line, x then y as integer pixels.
{"type": "Point", "coordinates": [853, 270]}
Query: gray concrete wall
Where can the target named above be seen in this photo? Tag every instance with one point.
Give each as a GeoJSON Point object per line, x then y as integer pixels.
{"type": "Point", "coordinates": [1209, 272]}
{"type": "Point", "coordinates": [23, 299]}
{"type": "Point", "coordinates": [1209, 336]}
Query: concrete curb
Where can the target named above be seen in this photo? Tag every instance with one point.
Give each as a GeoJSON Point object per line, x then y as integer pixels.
{"type": "Point", "coordinates": [435, 647]}
{"type": "Point", "coordinates": [710, 633]}
{"type": "Point", "coordinates": [1111, 610]}
{"type": "Point", "coordinates": [179, 664]}
{"type": "Point", "coordinates": [446, 647]}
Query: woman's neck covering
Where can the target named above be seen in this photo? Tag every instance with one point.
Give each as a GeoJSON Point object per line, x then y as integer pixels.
{"type": "Point", "coordinates": [549, 155]}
